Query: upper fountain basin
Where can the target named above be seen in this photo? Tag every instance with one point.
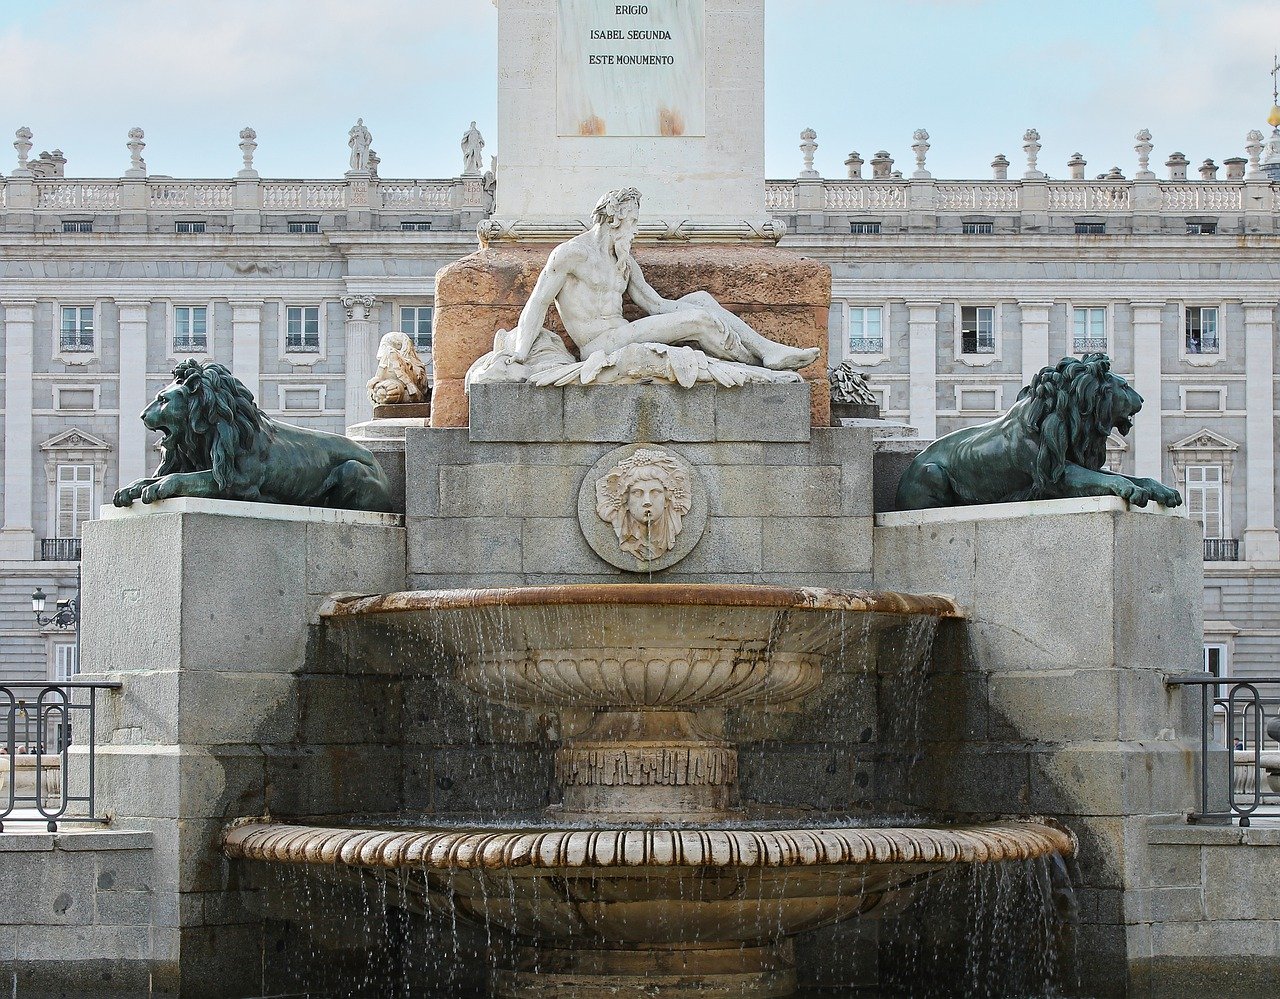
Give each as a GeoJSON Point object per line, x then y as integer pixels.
{"type": "Point", "coordinates": [668, 646]}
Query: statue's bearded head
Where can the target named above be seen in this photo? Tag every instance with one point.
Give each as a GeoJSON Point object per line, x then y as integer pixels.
{"type": "Point", "coordinates": [619, 212]}
{"type": "Point", "coordinates": [645, 498]}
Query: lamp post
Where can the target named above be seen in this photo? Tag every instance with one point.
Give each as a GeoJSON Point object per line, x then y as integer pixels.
{"type": "Point", "coordinates": [67, 614]}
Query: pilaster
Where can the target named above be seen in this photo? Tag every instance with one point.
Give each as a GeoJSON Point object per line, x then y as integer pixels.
{"type": "Point", "coordinates": [17, 539]}
{"type": "Point", "coordinates": [362, 353]}
{"type": "Point", "coordinates": [1147, 431]}
{"type": "Point", "coordinates": [133, 389]}
{"type": "Point", "coordinates": [246, 344]}
{"type": "Point", "coordinates": [922, 361]}
{"type": "Point", "coordinates": [1261, 541]}
{"type": "Point", "coordinates": [1035, 338]}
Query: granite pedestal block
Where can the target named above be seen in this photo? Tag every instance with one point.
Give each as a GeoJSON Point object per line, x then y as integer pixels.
{"type": "Point", "coordinates": [780, 294]}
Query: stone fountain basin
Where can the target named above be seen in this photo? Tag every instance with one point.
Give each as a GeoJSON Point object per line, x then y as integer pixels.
{"type": "Point", "coordinates": [643, 646]}
{"type": "Point", "coordinates": [647, 887]}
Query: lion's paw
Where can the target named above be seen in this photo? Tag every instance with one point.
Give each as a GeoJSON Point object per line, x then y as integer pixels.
{"type": "Point", "coordinates": [152, 493]}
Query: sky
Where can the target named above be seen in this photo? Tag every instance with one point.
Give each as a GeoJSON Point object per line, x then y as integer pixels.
{"type": "Point", "coordinates": [863, 73]}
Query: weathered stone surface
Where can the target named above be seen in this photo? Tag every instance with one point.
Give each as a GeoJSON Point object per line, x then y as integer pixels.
{"type": "Point", "coordinates": [449, 405]}
{"type": "Point", "coordinates": [622, 414]}
{"type": "Point", "coordinates": [762, 413]}
{"type": "Point", "coordinates": [517, 411]}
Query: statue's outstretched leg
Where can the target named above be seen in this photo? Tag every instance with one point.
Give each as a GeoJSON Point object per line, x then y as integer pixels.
{"type": "Point", "coordinates": [769, 353]}
{"type": "Point", "coordinates": [924, 487]}
{"type": "Point", "coordinates": [353, 485]}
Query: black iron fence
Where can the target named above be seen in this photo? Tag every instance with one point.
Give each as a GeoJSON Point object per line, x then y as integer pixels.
{"type": "Point", "coordinates": [1222, 549]}
{"type": "Point", "coordinates": [1239, 745]}
{"type": "Point", "coordinates": [48, 751]}
{"type": "Point", "coordinates": [60, 549]}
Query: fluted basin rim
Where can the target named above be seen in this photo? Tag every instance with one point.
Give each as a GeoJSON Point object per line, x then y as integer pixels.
{"type": "Point", "coordinates": [800, 598]}
{"type": "Point", "coordinates": [552, 849]}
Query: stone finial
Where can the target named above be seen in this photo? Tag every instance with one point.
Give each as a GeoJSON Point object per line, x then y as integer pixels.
{"type": "Point", "coordinates": [135, 145]}
{"type": "Point", "coordinates": [1177, 164]}
{"type": "Point", "coordinates": [1235, 168]}
{"type": "Point", "coordinates": [1031, 146]}
{"type": "Point", "coordinates": [1253, 146]}
{"type": "Point", "coordinates": [920, 146]}
{"type": "Point", "coordinates": [1076, 165]}
{"type": "Point", "coordinates": [1115, 173]}
{"type": "Point", "coordinates": [1209, 170]}
{"type": "Point", "coordinates": [808, 146]}
{"type": "Point", "coordinates": [1143, 146]}
{"type": "Point", "coordinates": [881, 165]}
{"type": "Point", "coordinates": [248, 143]}
{"type": "Point", "coordinates": [854, 163]}
{"type": "Point", "coordinates": [22, 143]}
{"type": "Point", "coordinates": [1000, 167]}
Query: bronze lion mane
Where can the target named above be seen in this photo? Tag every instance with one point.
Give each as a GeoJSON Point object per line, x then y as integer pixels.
{"type": "Point", "coordinates": [1051, 444]}
{"type": "Point", "coordinates": [218, 444]}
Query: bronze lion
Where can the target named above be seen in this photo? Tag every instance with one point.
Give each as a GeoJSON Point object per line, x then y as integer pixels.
{"type": "Point", "coordinates": [1050, 445]}
{"type": "Point", "coordinates": [218, 444]}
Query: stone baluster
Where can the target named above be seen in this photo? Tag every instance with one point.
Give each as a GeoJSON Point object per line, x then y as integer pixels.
{"type": "Point", "coordinates": [1209, 170]}
{"type": "Point", "coordinates": [1177, 164]}
{"type": "Point", "coordinates": [1031, 146]}
{"type": "Point", "coordinates": [1253, 146]}
{"type": "Point", "coordinates": [248, 144]}
{"type": "Point", "coordinates": [920, 146]}
{"type": "Point", "coordinates": [362, 356]}
{"type": "Point", "coordinates": [881, 165]}
{"type": "Point", "coordinates": [1143, 146]}
{"type": "Point", "coordinates": [1000, 167]}
{"type": "Point", "coordinates": [854, 164]}
{"type": "Point", "coordinates": [1076, 165]}
{"type": "Point", "coordinates": [135, 145]}
{"type": "Point", "coordinates": [808, 146]}
{"type": "Point", "coordinates": [22, 143]}
{"type": "Point", "coordinates": [1235, 167]}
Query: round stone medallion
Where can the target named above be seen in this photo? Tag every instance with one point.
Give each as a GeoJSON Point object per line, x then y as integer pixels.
{"type": "Point", "coordinates": [642, 507]}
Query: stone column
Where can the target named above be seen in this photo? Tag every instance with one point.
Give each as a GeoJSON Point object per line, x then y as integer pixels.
{"type": "Point", "coordinates": [1147, 454]}
{"type": "Point", "coordinates": [1261, 541]}
{"type": "Point", "coordinates": [17, 539]}
{"type": "Point", "coordinates": [246, 344]}
{"type": "Point", "coordinates": [1035, 338]}
{"type": "Point", "coordinates": [133, 389]}
{"type": "Point", "coordinates": [362, 356]}
{"type": "Point", "coordinates": [922, 361]}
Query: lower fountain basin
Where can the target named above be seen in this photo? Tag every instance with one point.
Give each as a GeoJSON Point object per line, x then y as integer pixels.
{"type": "Point", "coordinates": [701, 912]}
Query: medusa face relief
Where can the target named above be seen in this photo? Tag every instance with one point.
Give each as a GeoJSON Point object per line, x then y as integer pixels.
{"type": "Point", "coordinates": [645, 498]}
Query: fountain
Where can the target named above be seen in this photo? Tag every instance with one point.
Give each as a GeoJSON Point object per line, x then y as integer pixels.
{"type": "Point", "coordinates": [646, 875]}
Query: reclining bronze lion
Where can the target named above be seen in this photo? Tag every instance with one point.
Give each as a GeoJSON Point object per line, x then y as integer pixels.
{"type": "Point", "coordinates": [1051, 444]}
{"type": "Point", "coordinates": [218, 444]}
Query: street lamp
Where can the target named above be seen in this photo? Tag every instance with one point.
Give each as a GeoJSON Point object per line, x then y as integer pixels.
{"type": "Point", "coordinates": [67, 614]}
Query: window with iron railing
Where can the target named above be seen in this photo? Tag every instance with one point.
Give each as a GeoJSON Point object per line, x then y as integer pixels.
{"type": "Point", "coordinates": [1090, 330]}
{"type": "Point", "coordinates": [190, 329]}
{"type": "Point", "coordinates": [415, 322]}
{"type": "Point", "coordinates": [1222, 549]}
{"type": "Point", "coordinates": [188, 227]}
{"type": "Point", "coordinates": [1202, 329]}
{"type": "Point", "coordinates": [77, 226]}
{"type": "Point", "coordinates": [1204, 498]}
{"type": "Point", "coordinates": [75, 334]}
{"type": "Point", "coordinates": [1091, 228]}
{"type": "Point", "coordinates": [864, 228]}
{"type": "Point", "coordinates": [303, 227]}
{"type": "Point", "coordinates": [977, 329]}
{"type": "Point", "coordinates": [60, 549]}
{"type": "Point", "coordinates": [302, 329]}
{"type": "Point", "coordinates": [976, 228]}
{"type": "Point", "coordinates": [866, 332]}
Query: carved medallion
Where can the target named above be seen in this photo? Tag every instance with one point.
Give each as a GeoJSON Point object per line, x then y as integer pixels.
{"type": "Point", "coordinates": [636, 504]}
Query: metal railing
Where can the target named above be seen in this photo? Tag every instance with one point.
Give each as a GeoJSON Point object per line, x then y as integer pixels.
{"type": "Point", "coordinates": [1234, 716]}
{"type": "Point", "coordinates": [60, 549]}
{"type": "Point", "coordinates": [76, 343]}
{"type": "Point", "coordinates": [1222, 549]}
{"type": "Point", "coordinates": [1088, 344]}
{"type": "Point", "coordinates": [39, 723]}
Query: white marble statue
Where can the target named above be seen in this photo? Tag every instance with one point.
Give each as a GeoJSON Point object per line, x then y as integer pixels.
{"type": "Point", "coordinates": [644, 497]}
{"type": "Point", "coordinates": [401, 375]}
{"type": "Point", "coordinates": [472, 152]}
{"type": "Point", "coordinates": [693, 339]}
{"type": "Point", "coordinates": [359, 139]}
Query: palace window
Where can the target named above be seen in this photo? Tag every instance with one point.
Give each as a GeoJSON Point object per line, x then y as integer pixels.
{"type": "Point", "coordinates": [865, 228]}
{"type": "Point", "coordinates": [74, 498]}
{"type": "Point", "coordinates": [976, 228]}
{"type": "Point", "coordinates": [415, 321]}
{"type": "Point", "coordinates": [415, 226]}
{"type": "Point", "coordinates": [1204, 497]}
{"type": "Point", "coordinates": [190, 329]}
{"type": "Point", "coordinates": [977, 329]}
{"type": "Point", "coordinates": [866, 332]}
{"type": "Point", "coordinates": [1215, 664]}
{"type": "Point", "coordinates": [66, 661]}
{"type": "Point", "coordinates": [299, 227]}
{"type": "Point", "coordinates": [302, 329]}
{"type": "Point", "coordinates": [1201, 228]}
{"type": "Point", "coordinates": [1202, 329]}
{"type": "Point", "coordinates": [76, 332]}
{"type": "Point", "coordinates": [1090, 330]}
{"type": "Point", "coordinates": [1091, 228]}
{"type": "Point", "coordinates": [76, 226]}
{"type": "Point", "coordinates": [188, 227]}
